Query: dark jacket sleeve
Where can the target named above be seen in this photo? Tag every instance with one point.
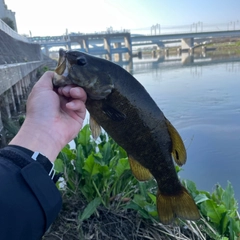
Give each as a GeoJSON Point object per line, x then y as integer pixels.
{"type": "Point", "coordinates": [29, 200]}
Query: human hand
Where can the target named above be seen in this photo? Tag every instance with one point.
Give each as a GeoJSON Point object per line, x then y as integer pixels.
{"type": "Point", "coordinates": [53, 117]}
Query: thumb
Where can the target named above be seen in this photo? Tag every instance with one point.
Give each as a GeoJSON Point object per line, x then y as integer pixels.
{"type": "Point", "coordinates": [45, 81]}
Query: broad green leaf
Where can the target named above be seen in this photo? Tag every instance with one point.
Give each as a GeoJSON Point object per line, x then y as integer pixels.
{"type": "Point", "coordinates": [90, 209]}
{"type": "Point", "coordinates": [84, 135]}
{"type": "Point", "coordinates": [224, 223]}
{"type": "Point", "coordinates": [214, 211]}
{"type": "Point", "coordinates": [79, 163]}
{"type": "Point", "coordinates": [228, 197]}
{"type": "Point", "coordinates": [69, 153]}
{"type": "Point", "coordinates": [200, 198]}
{"type": "Point", "coordinates": [107, 152]}
{"type": "Point", "coordinates": [151, 209]}
{"type": "Point", "coordinates": [58, 165]}
{"type": "Point", "coordinates": [191, 187]}
{"type": "Point", "coordinates": [234, 229]}
{"type": "Point", "coordinates": [104, 170]}
{"type": "Point", "coordinates": [140, 200]}
{"type": "Point", "coordinates": [153, 197]}
{"type": "Point", "coordinates": [122, 166]}
{"type": "Point", "coordinates": [90, 166]}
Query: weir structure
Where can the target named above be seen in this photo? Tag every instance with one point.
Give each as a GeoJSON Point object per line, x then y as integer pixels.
{"type": "Point", "coordinates": [109, 44]}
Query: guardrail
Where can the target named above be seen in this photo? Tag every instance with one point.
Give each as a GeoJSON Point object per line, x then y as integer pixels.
{"type": "Point", "coordinates": [4, 27]}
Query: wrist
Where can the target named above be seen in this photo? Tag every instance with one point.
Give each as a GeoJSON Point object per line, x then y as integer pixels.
{"type": "Point", "coordinates": [37, 138]}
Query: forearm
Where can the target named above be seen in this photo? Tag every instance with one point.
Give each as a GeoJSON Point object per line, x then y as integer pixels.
{"type": "Point", "coordinates": [29, 199]}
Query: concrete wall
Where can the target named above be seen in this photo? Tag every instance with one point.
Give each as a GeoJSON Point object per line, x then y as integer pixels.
{"type": "Point", "coordinates": [7, 13]}
{"type": "Point", "coordinates": [15, 51]}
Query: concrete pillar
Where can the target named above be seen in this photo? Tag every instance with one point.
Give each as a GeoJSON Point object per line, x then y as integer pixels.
{"type": "Point", "coordinates": [22, 84]}
{"type": "Point", "coordinates": [107, 47]}
{"type": "Point", "coordinates": [16, 97]}
{"type": "Point", "coordinates": [187, 43]}
{"type": "Point", "coordinates": [204, 49]}
{"type": "Point", "coordinates": [179, 51]}
{"type": "Point", "coordinates": [139, 54]}
{"type": "Point", "coordinates": [5, 108]}
{"type": "Point", "coordinates": [128, 45]}
{"type": "Point", "coordinates": [186, 58]}
{"type": "Point", "coordinates": [68, 47]}
{"type": "Point", "coordinates": [86, 45]}
{"type": "Point", "coordinates": [129, 67]}
{"type": "Point", "coordinates": [11, 101]}
{"type": "Point", "coordinates": [191, 51]}
{"type": "Point", "coordinates": [117, 56]}
{"type": "Point", "coordinates": [154, 54]}
{"type": "Point", "coordinates": [19, 90]}
{"type": "Point", "coordinates": [166, 52]}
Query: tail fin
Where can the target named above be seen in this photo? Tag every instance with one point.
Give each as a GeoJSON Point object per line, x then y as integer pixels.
{"type": "Point", "coordinates": [181, 205]}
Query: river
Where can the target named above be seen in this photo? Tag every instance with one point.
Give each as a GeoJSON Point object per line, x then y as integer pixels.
{"type": "Point", "coordinates": [201, 97]}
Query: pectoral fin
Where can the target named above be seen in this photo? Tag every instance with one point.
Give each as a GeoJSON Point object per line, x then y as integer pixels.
{"type": "Point", "coordinates": [140, 173]}
{"type": "Point", "coordinates": [178, 148]}
{"type": "Point", "coordinates": [95, 128]}
{"type": "Point", "coordinates": [113, 113]}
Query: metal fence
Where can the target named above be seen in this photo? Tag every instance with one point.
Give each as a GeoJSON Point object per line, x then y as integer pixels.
{"type": "Point", "coordinates": [5, 28]}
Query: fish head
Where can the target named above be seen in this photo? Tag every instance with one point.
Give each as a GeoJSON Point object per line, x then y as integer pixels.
{"type": "Point", "coordinates": [84, 70]}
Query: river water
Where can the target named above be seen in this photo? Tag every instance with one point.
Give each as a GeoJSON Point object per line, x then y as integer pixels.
{"type": "Point", "coordinates": [201, 97]}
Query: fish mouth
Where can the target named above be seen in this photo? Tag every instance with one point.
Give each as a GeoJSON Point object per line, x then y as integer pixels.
{"type": "Point", "coordinates": [62, 70]}
{"type": "Point", "coordinates": [63, 65]}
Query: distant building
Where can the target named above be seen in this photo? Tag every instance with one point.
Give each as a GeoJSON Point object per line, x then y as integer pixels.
{"type": "Point", "coordinates": [6, 13]}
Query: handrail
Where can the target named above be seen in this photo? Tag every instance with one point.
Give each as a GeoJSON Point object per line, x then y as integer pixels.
{"type": "Point", "coordinates": [5, 28]}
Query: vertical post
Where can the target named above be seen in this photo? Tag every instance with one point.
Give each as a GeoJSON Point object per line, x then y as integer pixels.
{"type": "Point", "coordinates": [117, 56]}
{"type": "Point", "coordinates": [128, 45]}
{"type": "Point", "coordinates": [5, 109]}
{"type": "Point", "coordinates": [16, 97]}
{"type": "Point", "coordinates": [107, 47]}
{"type": "Point", "coordinates": [85, 44]}
{"type": "Point", "coordinates": [11, 101]}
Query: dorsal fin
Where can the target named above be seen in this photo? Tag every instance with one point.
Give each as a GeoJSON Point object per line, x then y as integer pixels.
{"type": "Point", "coordinates": [178, 148]}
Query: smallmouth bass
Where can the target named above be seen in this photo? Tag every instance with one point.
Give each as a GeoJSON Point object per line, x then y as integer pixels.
{"type": "Point", "coordinates": [121, 105]}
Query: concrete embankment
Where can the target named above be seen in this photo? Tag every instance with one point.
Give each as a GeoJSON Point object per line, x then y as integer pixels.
{"type": "Point", "coordinates": [20, 63]}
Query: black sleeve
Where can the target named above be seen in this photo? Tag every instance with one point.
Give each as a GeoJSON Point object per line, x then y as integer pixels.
{"type": "Point", "coordinates": [29, 200]}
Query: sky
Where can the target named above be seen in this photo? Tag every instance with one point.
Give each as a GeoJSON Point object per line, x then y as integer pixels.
{"type": "Point", "coordinates": [55, 17]}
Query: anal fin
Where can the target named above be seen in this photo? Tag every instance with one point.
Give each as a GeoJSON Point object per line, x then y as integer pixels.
{"type": "Point", "coordinates": [95, 128]}
{"type": "Point", "coordinates": [140, 173]}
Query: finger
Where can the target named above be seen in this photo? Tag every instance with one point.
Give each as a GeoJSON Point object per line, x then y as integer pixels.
{"type": "Point", "coordinates": [46, 80]}
{"type": "Point", "coordinates": [65, 91]}
{"type": "Point", "coordinates": [76, 105]}
{"type": "Point", "coordinates": [77, 92]}
{"type": "Point", "coordinates": [73, 92]}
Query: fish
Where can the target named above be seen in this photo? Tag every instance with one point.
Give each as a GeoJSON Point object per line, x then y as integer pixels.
{"type": "Point", "coordinates": [119, 104]}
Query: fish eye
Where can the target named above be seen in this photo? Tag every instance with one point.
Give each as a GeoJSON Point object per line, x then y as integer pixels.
{"type": "Point", "coordinates": [81, 61]}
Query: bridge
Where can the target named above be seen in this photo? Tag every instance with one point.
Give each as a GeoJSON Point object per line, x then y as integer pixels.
{"type": "Point", "coordinates": [122, 42]}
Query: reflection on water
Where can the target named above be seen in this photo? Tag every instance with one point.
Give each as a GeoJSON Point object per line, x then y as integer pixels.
{"type": "Point", "coordinates": [201, 97]}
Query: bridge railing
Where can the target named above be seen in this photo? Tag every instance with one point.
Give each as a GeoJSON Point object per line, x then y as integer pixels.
{"type": "Point", "coordinates": [4, 27]}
